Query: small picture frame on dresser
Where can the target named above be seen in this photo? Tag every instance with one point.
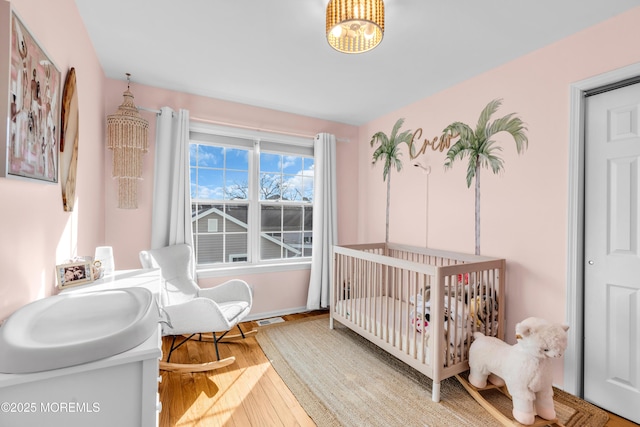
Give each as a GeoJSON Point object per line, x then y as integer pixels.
{"type": "Point", "coordinates": [74, 274]}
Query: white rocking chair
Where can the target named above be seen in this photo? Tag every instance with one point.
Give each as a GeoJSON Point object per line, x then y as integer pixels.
{"type": "Point", "coordinates": [209, 313]}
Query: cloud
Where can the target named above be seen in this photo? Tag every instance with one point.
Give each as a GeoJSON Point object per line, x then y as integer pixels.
{"type": "Point", "coordinates": [205, 192]}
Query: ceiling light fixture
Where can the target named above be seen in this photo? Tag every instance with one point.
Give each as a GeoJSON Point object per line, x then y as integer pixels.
{"type": "Point", "coordinates": [355, 26]}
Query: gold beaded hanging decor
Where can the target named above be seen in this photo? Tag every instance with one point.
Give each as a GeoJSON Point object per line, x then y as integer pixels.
{"type": "Point", "coordinates": [127, 136]}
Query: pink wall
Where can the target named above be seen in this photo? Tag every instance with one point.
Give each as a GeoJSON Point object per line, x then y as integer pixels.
{"type": "Point", "coordinates": [129, 231]}
{"type": "Point", "coordinates": [523, 211]}
{"type": "Point", "coordinates": [36, 232]}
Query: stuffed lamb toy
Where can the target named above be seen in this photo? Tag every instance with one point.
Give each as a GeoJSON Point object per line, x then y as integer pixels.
{"type": "Point", "coordinates": [525, 367]}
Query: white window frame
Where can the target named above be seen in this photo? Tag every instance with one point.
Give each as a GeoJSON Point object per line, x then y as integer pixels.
{"type": "Point", "coordinates": [258, 137]}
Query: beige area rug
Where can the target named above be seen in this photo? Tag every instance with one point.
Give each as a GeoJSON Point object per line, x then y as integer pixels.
{"type": "Point", "coordinates": [341, 379]}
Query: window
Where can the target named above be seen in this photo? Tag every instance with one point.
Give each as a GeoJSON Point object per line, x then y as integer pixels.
{"type": "Point", "coordinates": [252, 199]}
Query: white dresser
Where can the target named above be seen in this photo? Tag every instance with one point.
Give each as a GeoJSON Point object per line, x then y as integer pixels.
{"type": "Point", "coordinates": [149, 279]}
{"type": "Point", "coordinates": [120, 390]}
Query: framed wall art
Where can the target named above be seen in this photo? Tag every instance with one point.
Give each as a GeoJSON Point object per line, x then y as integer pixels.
{"type": "Point", "coordinates": [30, 100]}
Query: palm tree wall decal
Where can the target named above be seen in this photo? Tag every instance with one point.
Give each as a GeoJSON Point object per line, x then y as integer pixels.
{"type": "Point", "coordinates": [481, 149]}
{"type": "Point", "coordinates": [389, 152]}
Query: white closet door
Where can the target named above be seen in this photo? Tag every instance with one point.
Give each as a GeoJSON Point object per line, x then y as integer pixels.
{"type": "Point", "coordinates": [612, 257]}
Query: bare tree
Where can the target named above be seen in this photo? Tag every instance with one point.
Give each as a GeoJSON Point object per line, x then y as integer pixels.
{"type": "Point", "coordinates": [270, 188]}
{"type": "Point", "coordinates": [237, 191]}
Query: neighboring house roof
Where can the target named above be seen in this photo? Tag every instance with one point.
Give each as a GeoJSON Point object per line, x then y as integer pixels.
{"type": "Point", "coordinates": [205, 212]}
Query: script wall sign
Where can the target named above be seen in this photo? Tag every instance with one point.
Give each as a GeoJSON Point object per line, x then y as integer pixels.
{"type": "Point", "coordinates": [438, 143]}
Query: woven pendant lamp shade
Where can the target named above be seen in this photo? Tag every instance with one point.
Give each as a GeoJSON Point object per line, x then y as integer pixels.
{"type": "Point", "coordinates": [127, 136]}
{"type": "Point", "coordinates": [354, 26]}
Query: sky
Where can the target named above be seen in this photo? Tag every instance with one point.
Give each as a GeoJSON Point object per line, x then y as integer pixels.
{"type": "Point", "coordinates": [214, 169]}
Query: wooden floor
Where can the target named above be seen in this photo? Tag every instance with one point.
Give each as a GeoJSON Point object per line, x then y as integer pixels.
{"type": "Point", "coordinates": [245, 394]}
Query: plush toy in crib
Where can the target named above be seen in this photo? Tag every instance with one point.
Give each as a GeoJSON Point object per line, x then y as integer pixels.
{"type": "Point", "coordinates": [525, 367]}
{"type": "Point", "coordinates": [420, 321]}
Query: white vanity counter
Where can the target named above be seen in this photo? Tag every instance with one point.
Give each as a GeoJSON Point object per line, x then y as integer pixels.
{"type": "Point", "coordinates": [120, 390]}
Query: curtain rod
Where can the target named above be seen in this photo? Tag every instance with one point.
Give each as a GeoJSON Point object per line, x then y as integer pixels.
{"type": "Point", "coordinates": [151, 110]}
{"type": "Point", "coordinates": [299, 135]}
{"type": "Point", "coordinates": [217, 122]}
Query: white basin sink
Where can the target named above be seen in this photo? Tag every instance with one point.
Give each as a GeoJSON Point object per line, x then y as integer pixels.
{"type": "Point", "coordinates": [67, 330]}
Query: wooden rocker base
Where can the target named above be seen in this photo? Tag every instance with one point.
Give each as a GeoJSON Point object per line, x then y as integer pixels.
{"type": "Point", "coordinates": [208, 336]}
{"type": "Point", "coordinates": [507, 421]}
{"type": "Point", "coordinates": [196, 367]}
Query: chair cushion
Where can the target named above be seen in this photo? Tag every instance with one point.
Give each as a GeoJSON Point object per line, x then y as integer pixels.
{"type": "Point", "coordinates": [232, 309]}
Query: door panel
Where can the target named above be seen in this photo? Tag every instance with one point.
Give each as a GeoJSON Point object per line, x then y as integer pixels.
{"type": "Point", "coordinates": [623, 191]}
{"type": "Point", "coordinates": [612, 264]}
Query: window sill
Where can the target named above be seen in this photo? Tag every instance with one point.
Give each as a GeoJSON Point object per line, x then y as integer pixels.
{"type": "Point", "coordinates": [205, 273]}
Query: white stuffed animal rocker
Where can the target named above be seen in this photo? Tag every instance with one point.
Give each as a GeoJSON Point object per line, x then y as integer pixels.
{"type": "Point", "coordinates": [525, 367]}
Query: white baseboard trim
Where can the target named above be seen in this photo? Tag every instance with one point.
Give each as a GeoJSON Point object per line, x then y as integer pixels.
{"type": "Point", "coordinates": [277, 313]}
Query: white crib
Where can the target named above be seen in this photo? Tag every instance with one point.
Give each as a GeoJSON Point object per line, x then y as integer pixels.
{"type": "Point", "coordinates": [388, 294]}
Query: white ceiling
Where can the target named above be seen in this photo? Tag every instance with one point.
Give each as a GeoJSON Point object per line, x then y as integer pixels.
{"type": "Point", "coordinates": [274, 54]}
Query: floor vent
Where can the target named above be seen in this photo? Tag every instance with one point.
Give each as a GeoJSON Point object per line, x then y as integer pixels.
{"type": "Point", "coordinates": [271, 321]}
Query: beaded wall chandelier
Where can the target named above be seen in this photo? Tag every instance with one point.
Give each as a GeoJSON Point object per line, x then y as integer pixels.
{"type": "Point", "coordinates": [127, 136]}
